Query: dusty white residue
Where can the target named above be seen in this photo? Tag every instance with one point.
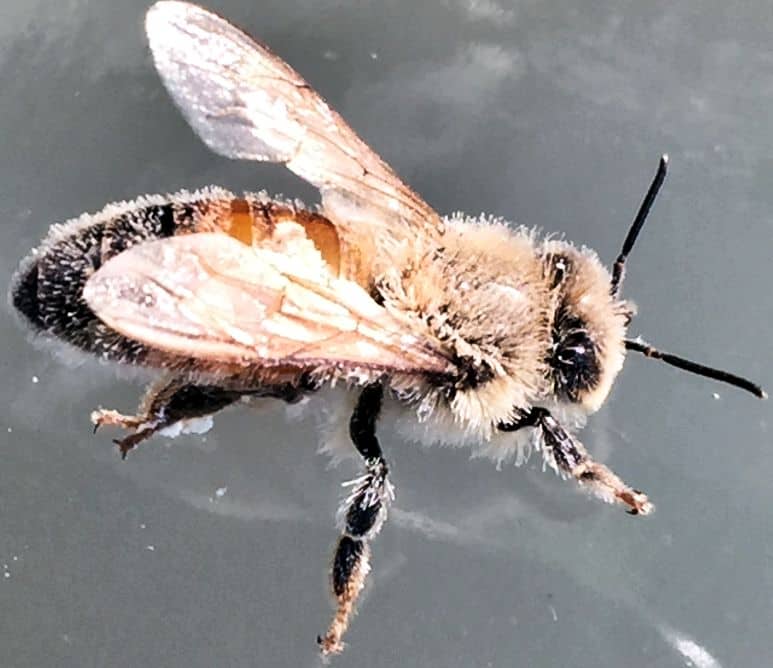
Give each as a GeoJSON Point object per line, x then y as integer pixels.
{"type": "Point", "coordinates": [246, 510]}
{"type": "Point", "coordinates": [509, 290]}
{"type": "Point", "coordinates": [425, 525]}
{"type": "Point", "coordinates": [193, 426]}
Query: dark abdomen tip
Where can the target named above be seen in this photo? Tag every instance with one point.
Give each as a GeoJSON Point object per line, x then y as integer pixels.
{"type": "Point", "coordinates": [23, 295]}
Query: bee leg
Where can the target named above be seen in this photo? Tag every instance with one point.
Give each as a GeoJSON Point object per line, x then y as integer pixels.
{"type": "Point", "coordinates": [570, 457]}
{"type": "Point", "coordinates": [175, 399]}
{"type": "Point", "coordinates": [165, 403]}
{"type": "Point", "coordinates": [361, 515]}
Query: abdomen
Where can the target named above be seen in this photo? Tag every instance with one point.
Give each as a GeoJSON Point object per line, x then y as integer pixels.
{"type": "Point", "coordinates": [47, 290]}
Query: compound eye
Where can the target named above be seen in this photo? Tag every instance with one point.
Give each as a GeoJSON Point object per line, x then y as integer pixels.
{"type": "Point", "coordinates": [574, 350]}
{"type": "Point", "coordinates": [575, 364]}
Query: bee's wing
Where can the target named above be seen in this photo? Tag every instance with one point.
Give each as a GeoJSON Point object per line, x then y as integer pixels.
{"type": "Point", "coordinates": [211, 297]}
{"type": "Point", "coordinates": [246, 102]}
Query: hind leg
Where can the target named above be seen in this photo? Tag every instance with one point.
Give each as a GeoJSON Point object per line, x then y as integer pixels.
{"type": "Point", "coordinates": [165, 403]}
{"type": "Point", "coordinates": [174, 399]}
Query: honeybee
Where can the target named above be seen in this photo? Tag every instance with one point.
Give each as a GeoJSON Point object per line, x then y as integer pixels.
{"type": "Point", "coordinates": [479, 333]}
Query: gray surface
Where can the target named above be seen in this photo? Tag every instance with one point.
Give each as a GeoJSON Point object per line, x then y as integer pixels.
{"type": "Point", "coordinates": [545, 114]}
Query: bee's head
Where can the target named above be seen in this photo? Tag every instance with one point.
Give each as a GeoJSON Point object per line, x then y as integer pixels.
{"type": "Point", "coordinates": [587, 327]}
{"type": "Point", "coordinates": [589, 320]}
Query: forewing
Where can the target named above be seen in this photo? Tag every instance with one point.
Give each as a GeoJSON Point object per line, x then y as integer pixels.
{"type": "Point", "coordinates": [212, 297]}
{"type": "Point", "coordinates": [246, 102]}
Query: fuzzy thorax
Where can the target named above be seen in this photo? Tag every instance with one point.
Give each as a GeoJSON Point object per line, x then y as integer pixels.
{"type": "Point", "coordinates": [526, 321]}
{"type": "Point", "coordinates": [482, 298]}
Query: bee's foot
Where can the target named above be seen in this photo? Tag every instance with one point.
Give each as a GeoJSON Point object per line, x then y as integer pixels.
{"type": "Point", "coordinates": [330, 643]}
{"type": "Point", "coordinates": [132, 440]}
{"type": "Point", "coordinates": [637, 502]}
{"type": "Point", "coordinates": [139, 426]}
{"type": "Point", "coordinates": [107, 417]}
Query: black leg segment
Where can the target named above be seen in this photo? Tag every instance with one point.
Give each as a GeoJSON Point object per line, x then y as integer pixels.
{"type": "Point", "coordinates": [173, 399]}
{"type": "Point", "coordinates": [566, 454]}
{"type": "Point", "coordinates": [362, 515]}
{"type": "Point", "coordinates": [362, 425]}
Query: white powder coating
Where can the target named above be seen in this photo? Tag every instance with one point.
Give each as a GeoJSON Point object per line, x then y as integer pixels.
{"type": "Point", "coordinates": [193, 426]}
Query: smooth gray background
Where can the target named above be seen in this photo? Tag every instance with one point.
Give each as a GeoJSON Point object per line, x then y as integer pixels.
{"type": "Point", "coordinates": [544, 113]}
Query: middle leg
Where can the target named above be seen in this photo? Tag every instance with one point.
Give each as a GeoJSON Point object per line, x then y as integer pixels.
{"type": "Point", "coordinates": [362, 515]}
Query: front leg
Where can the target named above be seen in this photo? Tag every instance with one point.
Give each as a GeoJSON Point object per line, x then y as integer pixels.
{"type": "Point", "coordinates": [569, 456]}
{"type": "Point", "coordinates": [362, 514]}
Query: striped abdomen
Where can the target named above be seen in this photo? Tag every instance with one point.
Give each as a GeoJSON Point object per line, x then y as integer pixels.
{"type": "Point", "coordinates": [47, 290]}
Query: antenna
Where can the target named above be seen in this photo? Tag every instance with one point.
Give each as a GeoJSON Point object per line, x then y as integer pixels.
{"type": "Point", "coordinates": [618, 269]}
{"type": "Point", "coordinates": [693, 367]}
